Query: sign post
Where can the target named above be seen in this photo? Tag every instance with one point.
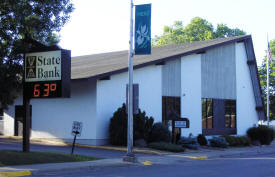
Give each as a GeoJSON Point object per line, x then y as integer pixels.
{"type": "Point", "coordinates": [76, 131]}
{"type": "Point", "coordinates": [26, 124]}
{"type": "Point", "coordinates": [47, 74]}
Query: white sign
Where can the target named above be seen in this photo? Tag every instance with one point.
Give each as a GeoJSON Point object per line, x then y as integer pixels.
{"type": "Point", "coordinates": [180, 124]}
{"type": "Point", "coordinates": [43, 66]}
{"type": "Point", "coordinates": [77, 128]}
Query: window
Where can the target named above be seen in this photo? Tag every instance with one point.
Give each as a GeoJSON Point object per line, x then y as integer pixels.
{"type": "Point", "coordinates": [170, 108]}
{"type": "Point", "coordinates": [230, 113]}
{"type": "Point", "coordinates": [218, 116]}
{"type": "Point", "coordinates": [207, 113]}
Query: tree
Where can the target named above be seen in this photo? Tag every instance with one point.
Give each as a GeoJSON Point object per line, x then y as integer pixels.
{"type": "Point", "coordinates": [173, 34]}
{"type": "Point", "coordinates": [262, 73]}
{"type": "Point", "coordinates": [224, 31]}
{"type": "Point", "coordinates": [197, 30]}
{"type": "Point", "coordinates": [24, 25]}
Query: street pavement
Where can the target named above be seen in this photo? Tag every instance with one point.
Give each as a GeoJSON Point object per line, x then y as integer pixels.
{"type": "Point", "coordinates": [247, 161]}
{"type": "Point", "coordinates": [218, 167]}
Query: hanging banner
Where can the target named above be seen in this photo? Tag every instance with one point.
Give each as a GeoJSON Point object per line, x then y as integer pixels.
{"type": "Point", "coordinates": [143, 29]}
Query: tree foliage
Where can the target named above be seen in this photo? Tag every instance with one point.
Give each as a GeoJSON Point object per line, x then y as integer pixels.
{"type": "Point", "coordinates": [22, 23]}
{"type": "Point", "coordinates": [197, 30]}
{"type": "Point", "coordinates": [263, 75]}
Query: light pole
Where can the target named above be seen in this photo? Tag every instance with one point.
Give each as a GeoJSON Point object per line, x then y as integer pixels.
{"type": "Point", "coordinates": [130, 156]}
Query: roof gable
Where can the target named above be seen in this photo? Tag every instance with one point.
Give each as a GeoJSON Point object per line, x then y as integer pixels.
{"type": "Point", "coordinates": [106, 64]}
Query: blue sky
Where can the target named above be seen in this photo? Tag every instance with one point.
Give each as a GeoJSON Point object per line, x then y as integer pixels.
{"type": "Point", "coordinates": [98, 26]}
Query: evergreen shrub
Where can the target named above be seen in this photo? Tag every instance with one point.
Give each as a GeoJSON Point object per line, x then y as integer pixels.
{"type": "Point", "coordinates": [119, 123]}
{"type": "Point", "coordinates": [118, 127]}
{"type": "Point", "coordinates": [202, 140]}
{"type": "Point", "coordinates": [189, 142]}
{"type": "Point", "coordinates": [166, 146]}
{"type": "Point", "coordinates": [218, 142]}
{"type": "Point", "coordinates": [159, 133]}
{"type": "Point", "coordinates": [237, 140]}
{"type": "Point", "coordinates": [262, 133]}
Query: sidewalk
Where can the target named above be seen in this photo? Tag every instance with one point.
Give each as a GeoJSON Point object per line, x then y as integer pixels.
{"type": "Point", "coordinates": [157, 157]}
{"type": "Point", "coordinates": [25, 170]}
{"type": "Point", "coordinates": [232, 151]}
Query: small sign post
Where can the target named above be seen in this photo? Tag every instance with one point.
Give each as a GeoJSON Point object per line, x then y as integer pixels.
{"type": "Point", "coordinates": [76, 131]}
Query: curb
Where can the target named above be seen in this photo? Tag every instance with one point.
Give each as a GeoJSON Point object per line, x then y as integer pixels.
{"type": "Point", "coordinates": [117, 149]}
{"type": "Point", "coordinates": [197, 157]}
{"type": "Point", "coordinates": [34, 169]}
{"type": "Point", "coordinates": [15, 173]}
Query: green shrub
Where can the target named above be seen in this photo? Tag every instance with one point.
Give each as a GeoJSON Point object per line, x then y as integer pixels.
{"type": "Point", "coordinates": [142, 126]}
{"type": "Point", "coordinates": [237, 140]}
{"type": "Point", "coordinates": [262, 133]}
{"type": "Point", "coordinates": [119, 123]}
{"type": "Point", "coordinates": [202, 140]}
{"type": "Point", "coordinates": [218, 142]}
{"type": "Point", "coordinates": [166, 146]}
{"type": "Point", "coordinates": [189, 142]}
{"type": "Point", "coordinates": [159, 133]}
{"type": "Point", "coordinates": [118, 127]}
{"type": "Point", "coordinates": [245, 141]}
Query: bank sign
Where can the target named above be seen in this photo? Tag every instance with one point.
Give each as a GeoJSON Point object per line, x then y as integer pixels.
{"type": "Point", "coordinates": [43, 66]}
{"type": "Point", "coordinates": [47, 74]}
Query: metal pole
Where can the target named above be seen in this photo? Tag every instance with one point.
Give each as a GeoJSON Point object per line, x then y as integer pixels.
{"type": "Point", "coordinates": [26, 118]}
{"type": "Point", "coordinates": [130, 157]}
{"type": "Point", "coordinates": [26, 124]}
{"type": "Point", "coordinates": [73, 144]}
{"type": "Point", "coordinates": [267, 83]}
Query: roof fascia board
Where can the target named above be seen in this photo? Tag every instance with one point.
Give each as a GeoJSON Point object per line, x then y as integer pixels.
{"type": "Point", "coordinates": [251, 61]}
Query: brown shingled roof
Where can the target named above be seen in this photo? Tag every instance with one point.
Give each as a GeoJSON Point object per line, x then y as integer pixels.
{"type": "Point", "coordinates": [106, 64]}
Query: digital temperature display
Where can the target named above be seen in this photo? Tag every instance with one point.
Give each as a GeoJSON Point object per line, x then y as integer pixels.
{"type": "Point", "coordinates": [50, 89]}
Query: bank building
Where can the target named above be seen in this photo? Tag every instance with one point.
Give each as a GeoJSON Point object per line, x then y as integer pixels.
{"type": "Point", "coordinates": [214, 84]}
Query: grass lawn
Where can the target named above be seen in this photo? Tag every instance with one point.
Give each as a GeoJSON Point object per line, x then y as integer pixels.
{"type": "Point", "coordinates": [8, 157]}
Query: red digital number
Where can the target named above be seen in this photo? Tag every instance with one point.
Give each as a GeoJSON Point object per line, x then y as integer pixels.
{"type": "Point", "coordinates": [36, 92]}
{"type": "Point", "coordinates": [46, 90]}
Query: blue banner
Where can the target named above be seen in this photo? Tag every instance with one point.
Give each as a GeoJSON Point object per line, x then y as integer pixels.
{"type": "Point", "coordinates": [143, 29]}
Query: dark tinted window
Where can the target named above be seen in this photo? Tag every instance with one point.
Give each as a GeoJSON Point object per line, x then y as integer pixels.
{"type": "Point", "coordinates": [1, 112]}
{"type": "Point", "coordinates": [170, 108]}
{"type": "Point", "coordinates": [207, 113]}
{"type": "Point", "coordinates": [230, 113]}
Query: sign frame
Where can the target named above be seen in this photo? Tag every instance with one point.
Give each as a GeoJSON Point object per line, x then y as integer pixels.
{"type": "Point", "coordinates": [185, 125]}
{"type": "Point", "coordinates": [64, 85]}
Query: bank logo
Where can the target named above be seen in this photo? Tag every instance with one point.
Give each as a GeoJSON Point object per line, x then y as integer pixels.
{"type": "Point", "coordinates": [31, 67]}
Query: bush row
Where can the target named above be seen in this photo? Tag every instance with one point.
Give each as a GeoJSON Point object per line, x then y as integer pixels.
{"type": "Point", "coordinates": [237, 140]}
{"type": "Point", "coordinates": [166, 146]}
{"type": "Point", "coordinates": [147, 130]}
